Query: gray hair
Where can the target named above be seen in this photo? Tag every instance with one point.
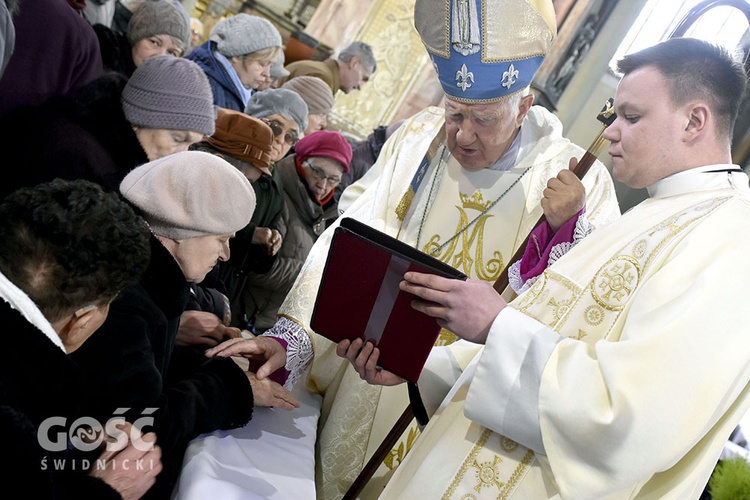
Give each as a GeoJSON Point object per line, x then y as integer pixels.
{"type": "Point", "coordinates": [513, 101]}
{"type": "Point", "coordinates": [361, 51]}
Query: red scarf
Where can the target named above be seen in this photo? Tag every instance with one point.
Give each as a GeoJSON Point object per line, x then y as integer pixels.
{"type": "Point", "coordinates": [301, 172]}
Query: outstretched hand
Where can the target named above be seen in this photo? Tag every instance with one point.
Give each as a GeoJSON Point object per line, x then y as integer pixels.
{"type": "Point", "coordinates": [364, 358]}
{"type": "Point", "coordinates": [563, 197]}
{"type": "Point", "coordinates": [466, 308]}
{"type": "Point", "coordinates": [265, 349]}
{"type": "Point", "coordinates": [266, 392]}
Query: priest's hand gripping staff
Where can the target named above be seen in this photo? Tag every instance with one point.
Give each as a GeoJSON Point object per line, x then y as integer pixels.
{"type": "Point", "coordinates": [606, 116]}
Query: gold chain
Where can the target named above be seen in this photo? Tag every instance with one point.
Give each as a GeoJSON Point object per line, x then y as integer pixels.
{"type": "Point", "coordinates": [459, 233]}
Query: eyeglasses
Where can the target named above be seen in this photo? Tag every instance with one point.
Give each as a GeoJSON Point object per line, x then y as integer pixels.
{"type": "Point", "coordinates": [277, 128]}
{"type": "Point", "coordinates": [318, 174]}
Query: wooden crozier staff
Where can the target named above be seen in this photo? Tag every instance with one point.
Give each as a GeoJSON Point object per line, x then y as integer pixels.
{"type": "Point", "coordinates": [606, 116]}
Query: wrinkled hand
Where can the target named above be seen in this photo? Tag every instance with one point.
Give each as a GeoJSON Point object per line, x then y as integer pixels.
{"type": "Point", "coordinates": [203, 328]}
{"type": "Point", "coordinates": [266, 392]}
{"type": "Point", "coordinates": [466, 308]}
{"type": "Point", "coordinates": [563, 197]}
{"type": "Point", "coordinates": [364, 359]}
{"type": "Point", "coordinates": [270, 238]}
{"type": "Point", "coordinates": [131, 469]}
{"type": "Point", "coordinates": [258, 348]}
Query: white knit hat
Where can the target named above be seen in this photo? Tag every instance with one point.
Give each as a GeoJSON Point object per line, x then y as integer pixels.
{"type": "Point", "coordinates": [190, 194]}
{"type": "Point", "coordinates": [243, 34]}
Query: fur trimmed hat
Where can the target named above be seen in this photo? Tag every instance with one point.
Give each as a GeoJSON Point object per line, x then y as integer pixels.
{"type": "Point", "coordinates": [159, 17]}
{"type": "Point", "coordinates": [315, 92]}
{"type": "Point", "coordinates": [243, 34]}
{"type": "Point", "coordinates": [190, 194]}
{"type": "Point", "coordinates": [168, 92]}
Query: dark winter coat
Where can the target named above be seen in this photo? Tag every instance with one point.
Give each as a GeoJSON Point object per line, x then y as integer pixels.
{"type": "Point", "coordinates": [132, 362]}
{"type": "Point", "coordinates": [226, 94]}
{"type": "Point", "coordinates": [38, 381]}
{"type": "Point", "coordinates": [83, 136]}
{"type": "Point", "coordinates": [116, 51]}
{"type": "Point", "coordinates": [246, 257]}
{"type": "Point", "coordinates": [301, 222]}
{"type": "Point", "coordinates": [56, 51]}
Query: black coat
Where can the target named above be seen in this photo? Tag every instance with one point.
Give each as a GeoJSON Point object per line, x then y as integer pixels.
{"type": "Point", "coordinates": [117, 53]}
{"type": "Point", "coordinates": [85, 135]}
{"type": "Point", "coordinates": [132, 362]}
{"type": "Point", "coordinates": [38, 381]}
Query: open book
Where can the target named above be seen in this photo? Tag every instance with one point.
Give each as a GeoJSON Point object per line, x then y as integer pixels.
{"type": "Point", "coordinates": [359, 296]}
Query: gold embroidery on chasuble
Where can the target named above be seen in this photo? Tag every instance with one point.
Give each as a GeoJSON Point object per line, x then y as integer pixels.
{"type": "Point", "coordinates": [464, 248]}
{"type": "Point", "coordinates": [593, 308]}
{"type": "Point", "coordinates": [585, 312]}
{"type": "Point", "coordinates": [485, 472]}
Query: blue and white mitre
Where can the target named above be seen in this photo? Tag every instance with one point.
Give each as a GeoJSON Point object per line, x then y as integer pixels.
{"type": "Point", "coordinates": [485, 50]}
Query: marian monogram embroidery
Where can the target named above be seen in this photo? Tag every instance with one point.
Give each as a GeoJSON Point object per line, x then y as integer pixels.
{"type": "Point", "coordinates": [469, 255]}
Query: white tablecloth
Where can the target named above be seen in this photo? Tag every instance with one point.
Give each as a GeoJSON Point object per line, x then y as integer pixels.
{"type": "Point", "coordinates": [272, 457]}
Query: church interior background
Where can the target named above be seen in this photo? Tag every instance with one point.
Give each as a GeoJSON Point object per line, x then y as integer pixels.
{"type": "Point", "coordinates": [574, 82]}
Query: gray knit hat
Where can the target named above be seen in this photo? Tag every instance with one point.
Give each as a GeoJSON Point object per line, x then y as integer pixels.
{"type": "Point", "coordinates": [168, 92]}
{"type": "Point", "coordinates": [159, 17]}
{"type": "Point", "coordinates": [284, 102]}
{"type": "Point", "coordinates": [190, 194]}
{"type": "Point", "coordinates": [243, 34]}
{"type": "Point", "coordinates": [315, 92]}
{"type": "Point", "coordinates": [278, 70]}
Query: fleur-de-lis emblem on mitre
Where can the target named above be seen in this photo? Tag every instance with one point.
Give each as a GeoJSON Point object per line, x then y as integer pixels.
{"type": "Point", "coordinates": [463, 76]}
{"type": "Point", "coordinates": [511, 76]}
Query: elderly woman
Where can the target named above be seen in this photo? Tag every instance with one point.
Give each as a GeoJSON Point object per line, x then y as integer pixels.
{"type": "Point", "coordinates": [112, 125]}
{"type": "Point", "coordinates": [158, 27]}
{"type": "Point", "coordinates": [308, 178]}
{"type": "Point", "coordinates": [285, 112]}
{"type": "Point", "coordinates": [318, 97]}
{"type": "Point", "coordinates": [238, 57]}
{"type": "Point", "coordinates": [133, 362]}
{"type": "Point", "coordinates": [246, 143]}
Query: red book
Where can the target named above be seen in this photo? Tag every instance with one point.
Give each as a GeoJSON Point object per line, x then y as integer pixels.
{"type": "Point", "coordinates": [359, 296]}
